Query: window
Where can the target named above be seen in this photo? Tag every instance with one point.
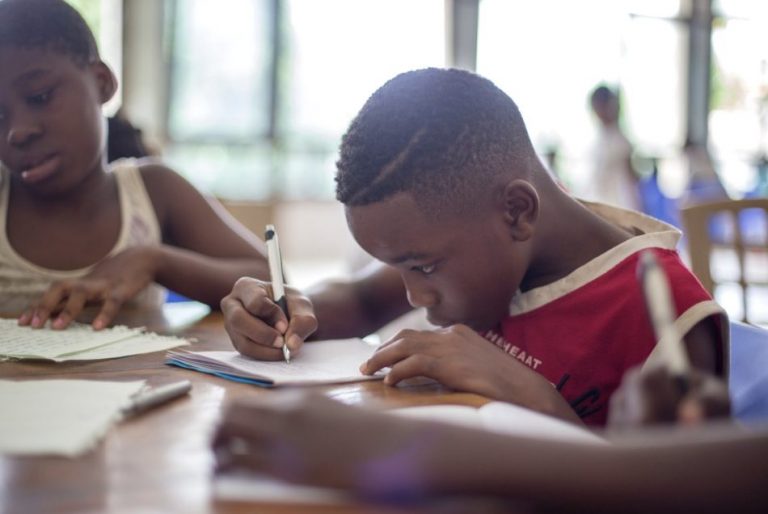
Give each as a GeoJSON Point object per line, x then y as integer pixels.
{"type": "Point", "coordinates": [549, 55]}
{"type": "Point", "coordinates": [104, 17]}
{"type": "Point", "coordinates": [249, 122]}
{"type": "Point", "coordinates": [738, 121]}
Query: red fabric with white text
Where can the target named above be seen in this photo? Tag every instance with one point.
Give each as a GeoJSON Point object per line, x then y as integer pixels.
{"type": "Point", "coordinates": [584, 341]}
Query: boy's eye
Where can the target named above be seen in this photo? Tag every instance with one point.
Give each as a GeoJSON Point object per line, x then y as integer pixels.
{"type": "Point", "coordinates": [425, 269]}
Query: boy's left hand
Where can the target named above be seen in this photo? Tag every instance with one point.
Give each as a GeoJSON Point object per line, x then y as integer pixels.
{"type": "Point", "coordinates": [461, 359]}
{"type": "Point", "coordinates": [111, 283]}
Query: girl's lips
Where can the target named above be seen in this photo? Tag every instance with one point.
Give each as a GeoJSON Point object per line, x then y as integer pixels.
{"type": "Point", "coordinates": [41, 171]}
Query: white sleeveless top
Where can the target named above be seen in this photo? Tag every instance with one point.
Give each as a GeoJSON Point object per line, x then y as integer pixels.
{"type": "Point", "coordinates": [22, 283]}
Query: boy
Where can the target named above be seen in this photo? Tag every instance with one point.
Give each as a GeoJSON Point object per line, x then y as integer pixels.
{"type": "Point", "coordinates": [74, 233]}
{"type": "Point", "coordinates": [441, 183]}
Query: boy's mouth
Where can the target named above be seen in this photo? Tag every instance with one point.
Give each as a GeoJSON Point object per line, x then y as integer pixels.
{"type": "Point", "coordinates": [40, 170]}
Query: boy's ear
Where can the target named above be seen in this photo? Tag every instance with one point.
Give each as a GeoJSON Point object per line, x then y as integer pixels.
{"type": "Point", "coordinates": [105, 81]}
{"type": "Point", "coordinates": [521, 209]}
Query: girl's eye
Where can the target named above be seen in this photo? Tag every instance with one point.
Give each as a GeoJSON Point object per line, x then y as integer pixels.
{"type": "Point", "coordinates": [40, 98]}
{"type": "Point", "coordinates": [425, 269]}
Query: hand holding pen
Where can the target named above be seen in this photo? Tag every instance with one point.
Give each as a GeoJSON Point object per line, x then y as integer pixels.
{"type": "Point", "coordinates": [259, 326]}
{"type": "Point", "coordinates": [276, 276]}
{"type": "Point", "coordinates": [672, 391]}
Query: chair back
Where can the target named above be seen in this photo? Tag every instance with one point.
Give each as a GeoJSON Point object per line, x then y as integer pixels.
{"type": "Point", "coordinates": [729, 231]}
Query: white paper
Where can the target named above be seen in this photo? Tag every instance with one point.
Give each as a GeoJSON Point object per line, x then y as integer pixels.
{"type": "Point", "coordinates": [504, 418]}
{"type": "Point", "coordinates": [78, 342]}
{"type": "Point", "coordinates": [243, 486]}
{"type": "Point", "coordinates": [318, 362]}
{"type": "Point", "coordinates": [59, 417]}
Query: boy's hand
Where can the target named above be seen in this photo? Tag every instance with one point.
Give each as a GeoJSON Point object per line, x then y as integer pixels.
{"type": "Point", "coordinates": [111, 283]}
{"type": "Point", "coordinates": [655, 396]}
{"type": "Point", "coordinates": [459, 358]}
{"type": "Point", "coordinates": [294, 436]}
{"type": "Point", "coordinates": [258, 327]}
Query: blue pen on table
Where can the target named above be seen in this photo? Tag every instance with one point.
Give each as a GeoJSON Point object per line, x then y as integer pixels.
{"type": "Point", "coordinates": [156, 396]}
{"type": "Point", "coordinates": [276, 276]}
{"type": "Point", "coordinates": [661, 309]}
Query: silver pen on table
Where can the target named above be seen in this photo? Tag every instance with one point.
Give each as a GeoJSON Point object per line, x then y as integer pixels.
{"type": "Point", "coordinates": [156, 396]}
{"type": "Point", "coordinates": [276, 276]}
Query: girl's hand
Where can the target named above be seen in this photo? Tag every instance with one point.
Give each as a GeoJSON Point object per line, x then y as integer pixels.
{"type": "Point", "coordinates": [111, 283]}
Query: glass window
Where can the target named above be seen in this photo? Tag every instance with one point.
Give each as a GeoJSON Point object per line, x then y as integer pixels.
{"type": "Point", "coordinates": [738, 121]}
{"type": "Point", "coordinates": [220, 71]}
{"type": "Point", "coordinates": [549, 55]}
{"type": "Point", "coordinates": [333, 54]}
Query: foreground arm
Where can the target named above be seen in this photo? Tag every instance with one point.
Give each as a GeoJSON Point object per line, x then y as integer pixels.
{"type": "Point", "coordinates": [385, 457]}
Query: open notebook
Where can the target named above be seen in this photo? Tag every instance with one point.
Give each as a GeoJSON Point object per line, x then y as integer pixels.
{"type": "Point", "coordinates": [333, 361]}
{"type": "Point", "coordinates": [496, 417]}
{"type": "Point", "coordinates": [78, 342]}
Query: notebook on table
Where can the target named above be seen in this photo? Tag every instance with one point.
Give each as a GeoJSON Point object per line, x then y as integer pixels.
{"type": "Point", "coordinates": [334, 361]}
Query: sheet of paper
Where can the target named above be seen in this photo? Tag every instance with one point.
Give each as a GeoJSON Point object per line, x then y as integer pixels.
{"type": "Point", "coordinates": [318, 362]}
{"type": "Point", "coordinates": [504, 418]}
{"type": "Point", "coordinates": [78, 342]}
{"type": "Point", "coordinates": [259, 488]}
{"type": "Point", "coordinates": [59, 417]}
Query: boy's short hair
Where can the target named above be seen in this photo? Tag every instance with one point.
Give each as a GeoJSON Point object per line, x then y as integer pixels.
{"type": "Point", "coordinates": [50, 24]}
{"type": "Point", "coordinates": [442, 135]}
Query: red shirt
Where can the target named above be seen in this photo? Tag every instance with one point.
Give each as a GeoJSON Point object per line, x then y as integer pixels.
{"type": "Point", "coordinates": [584, 338]}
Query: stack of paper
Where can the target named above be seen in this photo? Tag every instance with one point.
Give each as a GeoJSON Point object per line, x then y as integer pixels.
{"type": "Point", "coordinates": [78, 342]}
{"type": "Point", "coordinates": [319, 362]}
{"type": "Point", "coordinates": [59, 417]}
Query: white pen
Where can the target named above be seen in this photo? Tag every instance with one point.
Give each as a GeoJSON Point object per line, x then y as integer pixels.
{"type": "Point", "coordinates": [276, 276]}
{"type": "Point", "coordinates": [157, 396]}
{"type": "Point", "coordinates": [661, 309]}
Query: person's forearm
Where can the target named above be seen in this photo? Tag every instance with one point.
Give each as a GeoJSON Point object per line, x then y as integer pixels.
{"type": "Point", "coordinates": [537, 394]}
{"type": "Point", "coordinates": [662, 473]}
{"type": "Point", "coordinates": [359, 306]}
{"type": "Point", "coordinates": [203, 278]}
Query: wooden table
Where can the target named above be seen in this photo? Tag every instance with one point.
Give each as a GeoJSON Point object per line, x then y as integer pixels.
{"type": "Point", "coordinates": [161, 461]}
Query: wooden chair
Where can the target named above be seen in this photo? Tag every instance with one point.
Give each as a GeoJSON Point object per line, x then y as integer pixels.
{"type": "Point", "coordinates": [721, 225]}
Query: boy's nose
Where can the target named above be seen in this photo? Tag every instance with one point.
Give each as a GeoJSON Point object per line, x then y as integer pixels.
{"type": "Point", "coordinates": [420, 296]}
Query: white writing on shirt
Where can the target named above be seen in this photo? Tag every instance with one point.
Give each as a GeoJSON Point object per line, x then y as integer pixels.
{"type": "Point", "coordinates": [515, 351]}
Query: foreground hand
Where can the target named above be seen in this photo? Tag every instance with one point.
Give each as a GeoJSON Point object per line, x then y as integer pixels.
{"type": "Point", "coordinates": [309, 438]}
{"type": "Point", "coordinates": [657, 397]}
{"type": "Point", "coordinates": [256, 325]}
{"type": "Point", "coordinates": [111, 283]}
{"type": "Point", "coordinates": [459, 358]}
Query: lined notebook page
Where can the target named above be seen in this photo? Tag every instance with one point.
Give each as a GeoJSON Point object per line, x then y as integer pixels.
{"type": "Point", "coordinates": [59, 417]}
{"type": "Point", "coordinates": [318, 362]}
{"type": "Point", "coordinates": [78, 342]}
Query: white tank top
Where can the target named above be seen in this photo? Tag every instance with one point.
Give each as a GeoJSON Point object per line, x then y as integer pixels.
{"type": "Point", "coordinates": [22, 282]}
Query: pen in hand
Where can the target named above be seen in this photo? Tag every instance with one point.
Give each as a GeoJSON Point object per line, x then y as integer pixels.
{"type": "Point", "coordinates": [661, 310]}
{"type": "Point", "coordinates": [276, 276]}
